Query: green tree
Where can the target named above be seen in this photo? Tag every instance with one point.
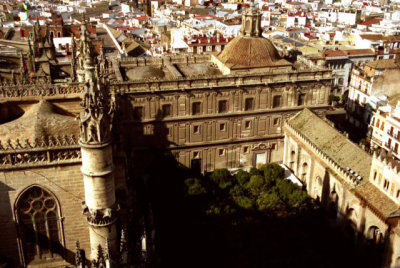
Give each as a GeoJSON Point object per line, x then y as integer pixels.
{"type": "Point", "coordinates": [254, 171]}
{"type": "Point", "coordinates": [284, 188]}
{"type": "Point", "coordinates": [297, 198]}
{"type": "Point", "coordinates": [272, 172]}
{"type": "Point", "coordinates": [255, 185]}
{"type": "Point", "coordinates": [222, 178]}
{"type": "Point", "coordinates": [242, 177]}
{"type": "Point", "coordinates": [194, 186]}
{"type": "Point", "coordinates": [269, 201]}
{"type": "Point", "coordinates": [244, 202]}
{"type": "Point", "coordinates": [290, 193]}
{"type": "Point", "coordinates": [237, 190]}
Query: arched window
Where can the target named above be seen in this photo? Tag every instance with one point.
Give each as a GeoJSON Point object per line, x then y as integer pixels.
{"type": "Point", "coordinates": [38, 217]}
{"type": "Point", "coordinates": [304, 172]}
{"type": "Point", "coordinates": [292, 159]}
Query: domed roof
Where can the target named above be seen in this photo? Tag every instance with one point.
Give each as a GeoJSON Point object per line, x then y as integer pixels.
{"type": "Point", "coordinates": [251, 52]}
{"type": "Point", "coordinates": [43, 119]}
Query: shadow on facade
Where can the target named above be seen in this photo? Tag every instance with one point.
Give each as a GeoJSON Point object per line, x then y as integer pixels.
{"type": "Point", "coordinates": [371, 243]}
{"type": "Point", "coordinates": [179, 234]}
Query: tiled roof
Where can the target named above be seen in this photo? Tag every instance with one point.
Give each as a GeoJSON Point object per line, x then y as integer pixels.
{"type": "Point", "coordinates": [370, 22]}
{"type": "Point", "coordinates": [383, 64]}
{"type": "Point", "coordinates": [352, 52]}
{"type": "Point", "coordinates": [332, 142]}
{"type": "Point", "coordinates": [372, 37]}
{"type": "Point", "coordinates": [251, 52]}
{"type": "Point", "coordinates": [376, 200]}
{"type": "Point", "coordinates": [42, 119]}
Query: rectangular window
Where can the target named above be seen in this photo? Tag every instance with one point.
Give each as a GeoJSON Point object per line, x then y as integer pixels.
{"type": "Point", "coordinates": [222, 126]}
{"type": "Point", "coordinates": [396, 148]}
{"type": "Point", "coordinates": [196, 129]}
{"type": "Point", "coordinates": [222, 106]}
{"type": "Point", "coordinates": [246, 149]}
{"type": "Point", "coordinates": [196, 154]}
{"type": "Point", "coordinates": [138, 112]}
{"type": "Point", "coordinates": [374, 175]}
{"type": "Point", "coordinates": [276, 101]}
{"type": "Point", "coordinates": [247, 124]}
{"type": "Point", "coordinates": [196, 108]}
{"type": "Point", "coordinates": [221, 152]}
{"type": "Point", "coordinates": [276, 122]}
{"type": "Point", "coordinates": [166, 110]}
{"type": "Point", "coordinates": [249, 104]}
{"type": "Point", "coordinates": [301, 100]}
{"type": "Point", "coordinates": [398, 194]}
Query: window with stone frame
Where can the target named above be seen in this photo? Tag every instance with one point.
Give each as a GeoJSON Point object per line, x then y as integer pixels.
{"type": "Point", "coordinates": [166, 110]}
{"type": "Point", "coordinates": [39, 225]}
{"type": "Point", "coordinates": [276, 122]}
{"type": "Point", "coordinates": [196, 108]}
{"type": "Point", "coordinates": [222, 126]}
{"type": "Point", "coordinates": [196, 129]}
{"type": "Point", "coordinates": [276, 101]}
{"type": "Point", "coordinates": [249, 104]}
{"type": "Point", "coordinates": [222, 106]}
{"type": "Point", "coordinates": [301, 100]}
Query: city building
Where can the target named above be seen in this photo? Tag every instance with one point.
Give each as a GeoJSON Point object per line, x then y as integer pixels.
{"type": "Point", "coordinates": [208, 111]}
{"type": "Point", "coordinates": [360, 193]}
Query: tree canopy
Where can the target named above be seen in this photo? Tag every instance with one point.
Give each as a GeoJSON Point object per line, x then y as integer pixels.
{"type": "Point", "coordinates": [264, 190]}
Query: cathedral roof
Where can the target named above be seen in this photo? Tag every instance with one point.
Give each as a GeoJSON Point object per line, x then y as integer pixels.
{"type": "Point", "coordinates": [43, 119]}
{"type": "Point", "coordinates": [251, 52]}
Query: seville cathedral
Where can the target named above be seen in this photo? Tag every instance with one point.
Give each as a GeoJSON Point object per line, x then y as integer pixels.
{"type": "Point", "coordinates": [72, 134]}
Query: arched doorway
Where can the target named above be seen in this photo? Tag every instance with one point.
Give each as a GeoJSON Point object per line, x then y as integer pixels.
{"type": "Point", "coordinates": [40, 231]}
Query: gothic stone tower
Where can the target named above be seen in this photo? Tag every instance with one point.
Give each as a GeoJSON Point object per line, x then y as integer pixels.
{"type": "Point", "coordinates": [97, 161]}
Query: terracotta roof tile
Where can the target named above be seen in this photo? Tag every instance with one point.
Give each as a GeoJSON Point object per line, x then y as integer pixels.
{"type": "Point", "coordinates": [251, 52]}
{"type": "Point", "coordinates": [376, 200]}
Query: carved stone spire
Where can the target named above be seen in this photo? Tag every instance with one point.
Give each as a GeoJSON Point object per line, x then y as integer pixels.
{"type": "Point", "coordinates": [96, 103]}
{"type": "Point", "coordinates": [251, 21]}
{"type": "Point", "coordinates": [98, 106]}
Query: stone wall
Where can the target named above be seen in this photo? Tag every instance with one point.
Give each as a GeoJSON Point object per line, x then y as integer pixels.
{"type": "Point", "coordinates": [66, 184]}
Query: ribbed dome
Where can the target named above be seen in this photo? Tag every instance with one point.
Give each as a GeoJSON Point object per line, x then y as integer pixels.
{"type": "Point", "coordinates": [251, 52]}
{"type": "Point", "coordinates": [42, 119]}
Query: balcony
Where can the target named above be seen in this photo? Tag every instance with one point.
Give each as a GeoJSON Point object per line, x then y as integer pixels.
{"type": "Point", "coordinates": [387, 145]}
{"type": "Point", "coordinates": [390, 133]}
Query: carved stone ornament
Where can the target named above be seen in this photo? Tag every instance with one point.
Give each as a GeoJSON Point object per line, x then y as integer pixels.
{"type": "Point", "coordinates": [262, 146]}
{"type": "Point", "coordinates": [100, 217]}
